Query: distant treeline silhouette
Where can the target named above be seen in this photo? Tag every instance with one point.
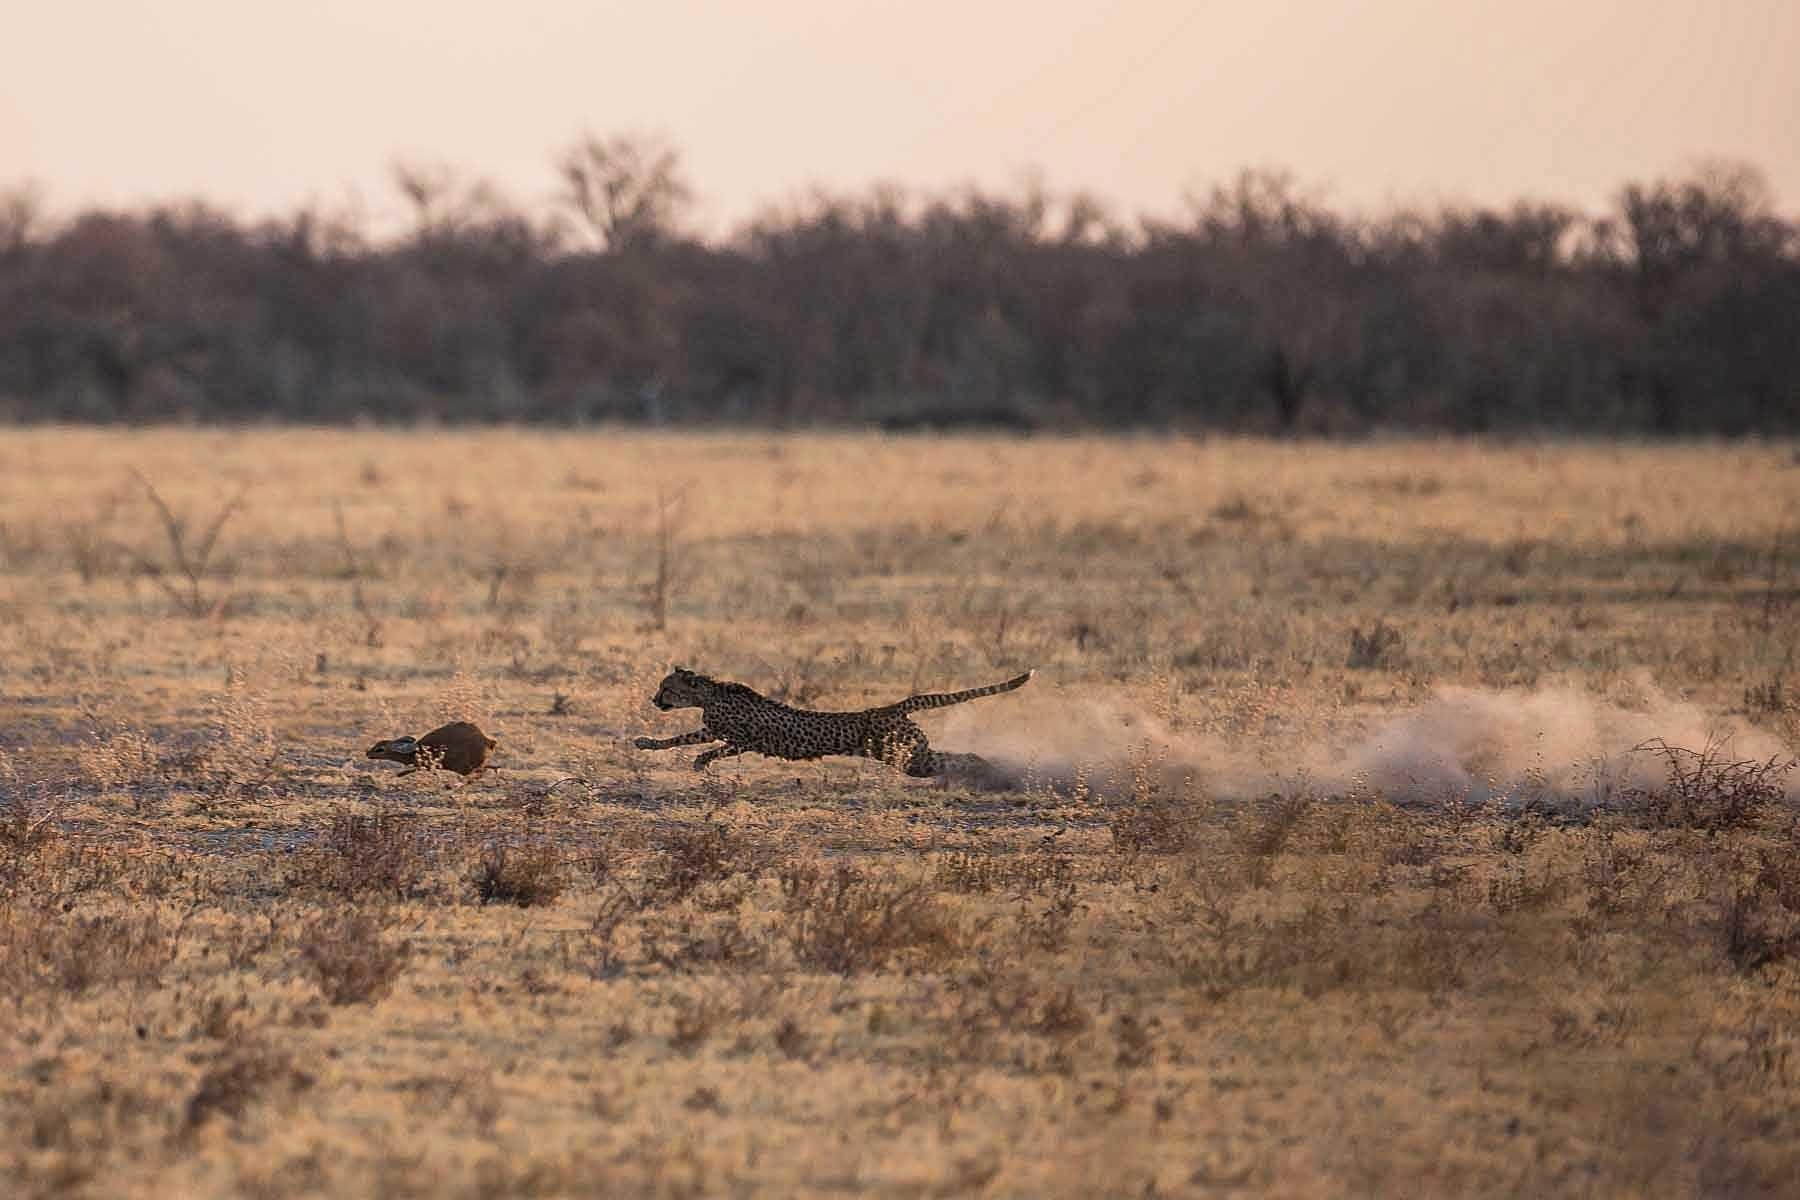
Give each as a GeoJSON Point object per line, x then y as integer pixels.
{"type": "Point", "coordinates": [1262, 310]}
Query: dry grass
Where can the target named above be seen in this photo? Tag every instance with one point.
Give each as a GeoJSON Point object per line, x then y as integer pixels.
{"type": "Point", "coordinates": [1231, 928]}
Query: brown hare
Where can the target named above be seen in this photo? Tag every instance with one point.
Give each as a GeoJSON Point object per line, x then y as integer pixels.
{"type": "Point", "coordinates": [459, 746]}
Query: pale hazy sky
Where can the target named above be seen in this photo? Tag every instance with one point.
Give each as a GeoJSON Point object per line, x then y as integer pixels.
{"type": "Point", "coordinates": [262, 106]}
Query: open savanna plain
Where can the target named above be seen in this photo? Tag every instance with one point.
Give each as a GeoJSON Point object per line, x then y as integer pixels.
{"type": "Point", "coordinates": [1400, 818]}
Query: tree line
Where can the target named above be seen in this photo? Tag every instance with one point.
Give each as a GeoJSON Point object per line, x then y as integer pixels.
{"type": "Point", "coordinates": [1259, 309]}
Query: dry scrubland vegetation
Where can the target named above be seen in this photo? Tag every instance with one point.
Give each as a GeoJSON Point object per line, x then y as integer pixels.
{"type": "Point", "coordinates": [1256, 307]}
{"type": "Point", "coordinates": [237, 958]}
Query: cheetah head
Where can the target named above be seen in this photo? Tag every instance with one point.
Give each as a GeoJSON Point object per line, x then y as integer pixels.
{"type": "Point", "coordinates": [681, 688]}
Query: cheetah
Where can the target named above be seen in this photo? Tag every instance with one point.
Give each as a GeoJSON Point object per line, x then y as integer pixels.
{"type": "Point", "coordinates": [747, 721]}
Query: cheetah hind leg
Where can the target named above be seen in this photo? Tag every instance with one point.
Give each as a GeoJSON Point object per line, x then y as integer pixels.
{"type": "Point", "coordinates": [923, 762]}
{"type": "Point", "coordinates": [971, 771]}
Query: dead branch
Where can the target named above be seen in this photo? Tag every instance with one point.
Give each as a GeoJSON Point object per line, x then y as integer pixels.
{"type": "Point", "coordinates": [190, 562]}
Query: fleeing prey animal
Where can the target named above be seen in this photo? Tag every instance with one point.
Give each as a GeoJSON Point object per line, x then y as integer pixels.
{"type": "Point", "coordinates": [459, 746]}
{"type": "Point", "coordinates": [747, 721]}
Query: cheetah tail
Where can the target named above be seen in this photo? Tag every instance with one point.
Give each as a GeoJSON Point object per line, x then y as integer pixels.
{"type": "Point", "coordinates": [944, 699]}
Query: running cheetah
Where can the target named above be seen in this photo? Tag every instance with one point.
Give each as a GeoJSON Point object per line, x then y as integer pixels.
{"type": "Point", "coordinates": [747, 721]}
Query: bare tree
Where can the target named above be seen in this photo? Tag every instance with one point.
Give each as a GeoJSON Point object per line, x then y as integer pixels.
{"type": "Point", "coordinates": [444, 202]}
{"type": "Point", "coordinates": [190, 559]}
{"type": "Point", "coordinates": [21, 216]}
{"type": "Point", "coordinates": [627, 188]}
{"type": "Point", "coordinates": [428, 188]}
{"type": "Point", "coordinates": [671, 511]}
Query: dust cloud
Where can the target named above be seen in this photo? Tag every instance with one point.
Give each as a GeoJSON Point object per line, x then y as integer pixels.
{"type": "Point", "coordinates": [1556, 745]}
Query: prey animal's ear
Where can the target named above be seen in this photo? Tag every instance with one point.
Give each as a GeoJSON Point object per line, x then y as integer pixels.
{"type": "Point", "coordinates": [403, 745]}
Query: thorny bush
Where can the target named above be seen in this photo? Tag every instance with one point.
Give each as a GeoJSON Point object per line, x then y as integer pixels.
{"type": "Point", "coordinates": [1708, 790]}
{"type": "Point", "coordinates": [349, 959]}
{"type": "Point", "coordinates": [845, 922]}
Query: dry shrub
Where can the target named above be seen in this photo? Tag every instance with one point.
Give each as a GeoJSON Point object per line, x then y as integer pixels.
{"type": "Point", "coordinates": [1219, 936]}
{"type": "Point", "coordinates": [1238, 507]}
{"type": "Point", "coordinates": [1379, 647]}
{"type": "Point", "coordinates": [120, 758]}
{"type": "Point", "coordinates": [1153, 820]}
{"type": "Point", "coordinates": [529, 802]}
{"type": "Point", "coordinates": [92, 551]}
{"type": "Point", "coordinates": [527, 876]}
{"type": "Point", "coordinates": [1776, 697]}
{"type": "Point", "coordinates": [1062, 1015]}
{"type": "Point", "coordinates": [599, 944]}
{"type": "Point", "coordinates": [1620, 874]}
{"type": "Point", "coordinates": [1746, 1050]}
{"type": "Point", "coordinates": [237, 1078]}
{"type": "Point", "coordinates": [42, 949]}
{"type": "Point", "coordinates": [72, 1129]}
{"type": "Point", "coordinates": [976, 872]}
{"type": "Point", "coordinates": [793, 1041]}
{"type": "Point", "coordinates": [1264, 832]}
{"type": "Point", "coordinates": [1431, 954]}
{"type": "Point", "coordinates": [238, 756]}
{"type": "Point", "coordinates": [1212, 951]}
{"type": "Point", "coordinates": [687, 940]}
{"type": "Point", "coordinates": [466, 696]}
{"type": "Point", "coordinates": [845, 922]}
{"type": "Point", "coordinates": [1136, 1040]}
{"type": "Point", "coordinates": [705, 1099]}
{"type": "Point", "coordinates": [696, 1019]}
{"type": "Point", "coordinates": [244, 756]}
{"type": "Point", "coordinates": [996, 996]}
{"type": "Point", "coordinates": [596, 858]}
{"type": "Point", "coordinates": [692, 857]}
{"type": "Point", "coordinates": [189, 558]}
{"type": "Point", "coordinates": [1157, 828]}
{"type": "Point", "coordinates": [120, 755]}
{"type": "Point", "coordinates": [1522, 887]}
{"type": "Point", "coordinates": [349, 959]}
{"type": "Point", "coordinates": [1760, 914]}
{"type": "Point", "coordinates": [1047, 930]}
{"type": "Point", "coordinates": [243, 942]}
{"type": "Point", "coordinates": [50, 867]}
{"type": "Point", "coordinates": [1588, 1021]}
{"type": "Point", "coordinates": [218, 1015]}
{"type": "Point", "coordinates": [379, 854]}
{"type": "Point", "coordinates": [1708, 790]}
{"type": "Point", "coordinates": [29, 833]}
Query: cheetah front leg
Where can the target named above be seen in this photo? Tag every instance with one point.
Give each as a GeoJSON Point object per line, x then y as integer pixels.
{"type": "Point", "coordinates": [703, 761]}
{"type": "Point", "coordinates": [681, 739]}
